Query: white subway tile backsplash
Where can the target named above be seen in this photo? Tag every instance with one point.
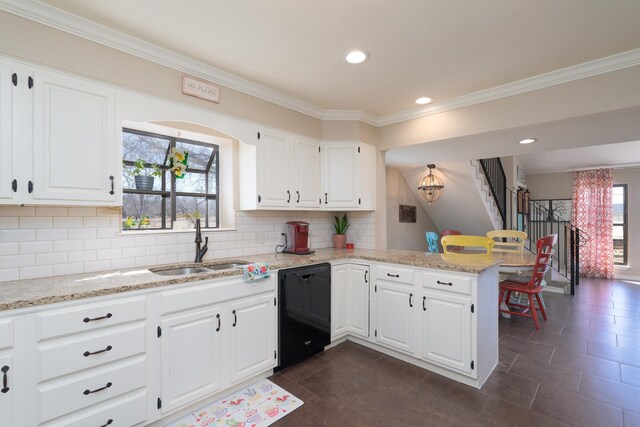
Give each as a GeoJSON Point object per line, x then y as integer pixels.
{"type": "Point", "coordinates": [17, 235]}
{"type": "Point", "coordinates": [52, 234]}
{"type": "Point", "coordinates": [82, 256]}
{"type": "Point", "coordinates": [8, 274]}
{"type": "Point", "coordinates": [35, 272]}
{"type": "Point", "coordinates": [87, 239]}
{"type": "Point", "coordinates": [51, 258]}
{"type": "Point", "coordinates": [36, 247]}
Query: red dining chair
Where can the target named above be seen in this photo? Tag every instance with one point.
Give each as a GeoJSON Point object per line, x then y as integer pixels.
{"type": "Point", "coordinates": [531, 288]}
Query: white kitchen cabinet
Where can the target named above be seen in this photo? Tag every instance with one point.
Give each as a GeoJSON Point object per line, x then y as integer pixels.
{"type": "Point", "coordinates": [192, 356]}
{"type": "Point", "coordinates": [358, 300]}
{"type": "Point", "coordinates": [349, 175]}
{"type": "Point", "coordinates": [339, 295]}
{"type": "Point", "coordinates": [62, 134]}
{"type": "Point", "coordinates": [446, 329]}
{"type": "Point", "coordinates": [395, 303]}
{"type": "Point", "coordinates": [306, 174]}
{"type": "Point", "coordinates": [275, 167]}
{"type": "Point", "coordinates": [252, 341]}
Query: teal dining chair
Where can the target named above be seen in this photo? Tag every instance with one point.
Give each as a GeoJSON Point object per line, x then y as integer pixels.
{"type": "Point", "coordinates": [432, 241]}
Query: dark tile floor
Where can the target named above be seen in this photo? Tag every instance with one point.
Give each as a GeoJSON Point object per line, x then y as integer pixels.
{"type": "Point", "coordinates": [581, 368]}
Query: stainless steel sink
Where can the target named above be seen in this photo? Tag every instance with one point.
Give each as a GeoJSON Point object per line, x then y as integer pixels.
{"type": "Point", "coordinates": [227, 265]}
{"type": "Point", "coordinates": [181, 271]}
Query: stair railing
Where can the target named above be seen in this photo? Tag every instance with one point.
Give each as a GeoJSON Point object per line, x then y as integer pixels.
{"type": "Point", "coordinates": [537, 221]}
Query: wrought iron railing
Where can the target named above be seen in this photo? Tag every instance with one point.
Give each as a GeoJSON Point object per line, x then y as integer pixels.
{"type": "Point", "coordinates": [535, 218]}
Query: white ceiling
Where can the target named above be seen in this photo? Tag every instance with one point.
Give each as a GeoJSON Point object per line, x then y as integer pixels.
{"type": "Point", "coordinates": [438, 48]}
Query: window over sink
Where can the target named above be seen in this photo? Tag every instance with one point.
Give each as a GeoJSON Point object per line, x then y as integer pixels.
{"type": "Point", "coordinates": [168, 181]}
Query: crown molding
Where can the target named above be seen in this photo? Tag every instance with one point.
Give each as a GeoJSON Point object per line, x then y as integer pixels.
{"type": "Point", "coordinates": [592, 68]}
{"type": "Point", "coordinates": [81, 27]}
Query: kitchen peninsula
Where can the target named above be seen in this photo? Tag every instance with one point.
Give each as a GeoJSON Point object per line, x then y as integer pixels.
{"type": "Point", "coordinates": [137, 330]}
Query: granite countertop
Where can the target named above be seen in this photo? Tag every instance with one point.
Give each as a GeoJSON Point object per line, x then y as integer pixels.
{"type": "Point", "coordinates": [34, 292]}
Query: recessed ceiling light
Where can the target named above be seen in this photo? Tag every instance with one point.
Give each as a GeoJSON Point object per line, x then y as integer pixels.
{"type": "Point", "coordinates": [423, 100]}
{"type": "Point", "coordinates": [527, 141]}
{"type": "Point", "coordinates": [356, 56]}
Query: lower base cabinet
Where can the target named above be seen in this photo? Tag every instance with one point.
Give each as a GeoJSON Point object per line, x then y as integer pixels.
{"type": "Point", "coordinates": [395, 316]}
{"type": "Point", "coordinates": [350, 287]}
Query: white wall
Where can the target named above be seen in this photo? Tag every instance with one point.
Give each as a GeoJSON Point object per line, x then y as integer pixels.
{"type": "Point", "coordinates": [54, 241]}
{"type": "Point", "coordinates": [407, 236]}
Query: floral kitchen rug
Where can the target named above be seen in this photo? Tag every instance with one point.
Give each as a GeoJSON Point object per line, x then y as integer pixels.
{"type": "Point", "coordinates": [258, 405]}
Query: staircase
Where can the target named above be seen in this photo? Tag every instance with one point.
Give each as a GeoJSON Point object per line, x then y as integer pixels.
{"type": "Point", "coordinates": [517, 212]}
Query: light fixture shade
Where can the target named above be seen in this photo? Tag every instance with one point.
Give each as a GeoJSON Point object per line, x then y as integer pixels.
{"type": "Point", "coordinates": [430, 187]}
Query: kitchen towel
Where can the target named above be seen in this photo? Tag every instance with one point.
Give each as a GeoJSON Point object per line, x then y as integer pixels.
{"type": "Point", "coordinates": [256, 271]}
{"type": "Point", "coordinates": [258, 405]}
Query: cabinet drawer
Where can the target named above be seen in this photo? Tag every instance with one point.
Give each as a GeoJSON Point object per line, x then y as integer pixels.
{"type": "Point", "coordinates": [89, 317]}
{"type": "Point", "coordinates": [6, 334]}
{"type": "Point", "coordinates": [73, 355]}
{"type": "Point", "coordinates": [445, 282]}
{"type": "Point", "coordinates": [125, 411]}
{"type": "Point", "coordinates": [98, 386]}
{"type": "Point", "coordinates": [394, 274]}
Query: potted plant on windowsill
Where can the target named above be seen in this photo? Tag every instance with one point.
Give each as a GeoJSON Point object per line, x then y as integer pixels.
{"type": "Point", "coordinates": [340, 225]}
{"type": "Point", "coordinates": [145, 182]}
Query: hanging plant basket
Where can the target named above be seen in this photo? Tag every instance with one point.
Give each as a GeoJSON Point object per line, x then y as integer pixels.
{"type": "Point", "coordinates": [144, 182]}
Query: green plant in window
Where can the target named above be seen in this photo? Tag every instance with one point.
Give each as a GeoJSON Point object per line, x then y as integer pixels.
{"type": "Point", "coordinates": [139, 167]}
{"type": "Point", "coordinates": [129, 223]}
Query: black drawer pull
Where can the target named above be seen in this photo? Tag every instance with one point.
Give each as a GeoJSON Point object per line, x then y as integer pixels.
{"type": "Point", "coordinates": [393, 275]}
{"type": "Point", "coordinates": [325, 198]}
{"type": "Point", "coordinates": [88, 392]}
{"type": "Point", "coordinates": [112, 184]}
{"type": "Point", "coordinates": [365, 276]}
{"type": "Point", "coordinates": [14, 185]}
{"type": "Point", "coordinates": [5, 379]}
{"type": "Point", "coordinates": [410, 297]}
{"type": "Point", "coordinates": [107, 423]}
{"type": "Point", "coordinates": [288, 196]}
{"type": "Point", "coordinates": [444, 283]}
{"type": "Point", "coordinates": [89, 353]}
{"type": "Point", "coordinates": [88, 319]}
{"type": "Point", "coordinates": [219, 323]}
{"type": "Point", "coordinates": [298, 193]}
{"type": "Point", "coordinates": [424, 300]}
{"type": "Point", "coordinates": [235, 318]}
{"type": "Point", "coordinates": [30, 187]}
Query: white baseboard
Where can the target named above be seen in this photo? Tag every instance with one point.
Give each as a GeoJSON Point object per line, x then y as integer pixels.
{"type": "Point", "coordinates": [625, 277]}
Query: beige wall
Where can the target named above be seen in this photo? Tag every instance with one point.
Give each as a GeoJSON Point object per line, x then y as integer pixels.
{"type": "Point", "coordinates": [28, 40]}
{"type": "Point", "coordinates": [559, 186]}
{"type": "Point", "coordinates": [407, 236]}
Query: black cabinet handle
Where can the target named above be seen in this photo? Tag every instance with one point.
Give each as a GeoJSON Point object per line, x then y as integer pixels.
{"type": "Point", "coordinates": [30, 187]}
{"type": "Point", "coordinates": [14, 79]}
{"type": "Point", "coordinates": [235, 318]}
{"type": "Point", "coordinates": [219, 323]}
{"type": "Point", "coordinates": [5, 379]}
{"type": "Point", "coordinates": [410, 297]}
{"type": "Point", "coordinates": [325, 198]}
{"type": "Point", "coordinates": [298, 193]}
{"type": "Point", "coordinates": [393, 275]}
{"type": "Point", "coordinates": [365, 276]}
{"type": "Point", "coordinates": [444, 283]}
{"type": "Point", "coordinates": [88, 319]}
{"type": "Point", "coordinates": [30, 82]}
{"type": "Point", "coordinates": [88, 392]}
{"type": "Point", "coordinates": [14, 185]}
{"type": "Point", "coordinates": [90, 353]}
{"type": "Point", "coordinates": [288, 196]}
{"type": "Point", "coordinates": [424, 300]}
{"type": "Point", "coordinates": [112, 185]}
{"type": "Point", "coordinates": [109, 421]}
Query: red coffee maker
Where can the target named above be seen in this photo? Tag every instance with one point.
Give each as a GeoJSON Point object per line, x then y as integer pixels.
{"type": "Point", "coordinates": [298, 238]}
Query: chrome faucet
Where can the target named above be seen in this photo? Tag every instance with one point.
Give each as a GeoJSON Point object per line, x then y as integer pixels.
{"type": "Point", "coordinates": [200, 252]}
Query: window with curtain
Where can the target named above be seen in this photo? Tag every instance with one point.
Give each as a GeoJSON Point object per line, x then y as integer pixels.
{"type": "Point", "coordinates": [593, 214]}
{"type": "Point", "coordinates": [620, 223]}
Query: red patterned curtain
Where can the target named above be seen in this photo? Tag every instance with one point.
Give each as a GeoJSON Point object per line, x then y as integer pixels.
{"type": "Point", "coordinates": [592, 213]}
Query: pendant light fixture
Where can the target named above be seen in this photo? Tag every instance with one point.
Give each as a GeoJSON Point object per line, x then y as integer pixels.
{"type": "Point", "coordinates": [430, 187]}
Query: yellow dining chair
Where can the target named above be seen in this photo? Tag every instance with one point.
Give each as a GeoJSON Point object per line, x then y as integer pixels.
{"type": "Point", "coordinates": [514, 240]}
{"type": "Point", "coordinates": [467, 242]}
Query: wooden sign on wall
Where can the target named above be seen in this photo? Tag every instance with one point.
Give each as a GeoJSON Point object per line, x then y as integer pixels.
{"type": "Point", "coordinates": [407, 213]}
{"type": "Point", "coordinates": [200, 89]}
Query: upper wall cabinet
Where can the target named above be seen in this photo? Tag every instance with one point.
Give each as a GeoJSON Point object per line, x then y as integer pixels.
{"type": "Point", "coordinates": [349, 176]}
{"type": "Point", "coordinates": [63, 139]}
{"type": "Point", "coordinates": [288, 172]}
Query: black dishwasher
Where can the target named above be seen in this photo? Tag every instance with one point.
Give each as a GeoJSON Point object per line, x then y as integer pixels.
{"type": "Point", "coordinates": [304, 312]}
